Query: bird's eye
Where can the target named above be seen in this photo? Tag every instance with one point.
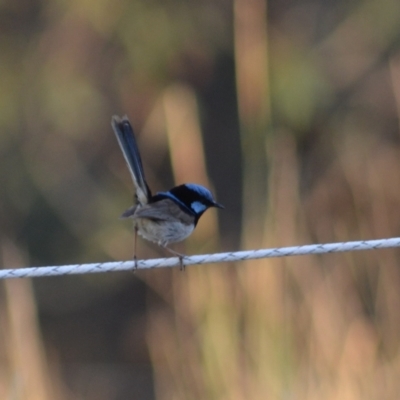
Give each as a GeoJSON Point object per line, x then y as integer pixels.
{"type": "Point", "coordinates": [198, 207]}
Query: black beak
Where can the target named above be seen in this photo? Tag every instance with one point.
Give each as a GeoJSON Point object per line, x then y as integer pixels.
{"type": "Point", "coordinates": [218, 205]}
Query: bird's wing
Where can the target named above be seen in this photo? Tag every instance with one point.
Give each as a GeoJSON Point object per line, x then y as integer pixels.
{"type": "Point", "coordinates": [126, 139]}
{"type": "Point", "coordinates": [164, 210]}
{"type": "Point", "coordinates": [129, 212]}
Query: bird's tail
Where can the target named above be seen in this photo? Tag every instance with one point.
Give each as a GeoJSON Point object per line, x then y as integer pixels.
{"type": "Point", "coordinates": [126, 139]}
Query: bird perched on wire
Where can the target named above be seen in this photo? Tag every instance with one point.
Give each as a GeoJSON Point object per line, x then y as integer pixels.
{"type": "Point", "coordinates": [165, 217]}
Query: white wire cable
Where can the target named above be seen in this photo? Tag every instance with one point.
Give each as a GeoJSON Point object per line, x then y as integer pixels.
{"type": "Point", "coordinates": [198, 259]}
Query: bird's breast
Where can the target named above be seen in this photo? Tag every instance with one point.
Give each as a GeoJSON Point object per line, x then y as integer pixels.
{"type": "Point", "coordinates": [163, 232]}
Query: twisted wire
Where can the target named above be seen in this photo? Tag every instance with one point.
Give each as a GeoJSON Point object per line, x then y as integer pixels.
{"type": "Point", "coordinates": [102, 267]}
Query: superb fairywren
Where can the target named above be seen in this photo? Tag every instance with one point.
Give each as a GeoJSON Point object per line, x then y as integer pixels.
{"type": "Point", "coordinates": [166, 217]}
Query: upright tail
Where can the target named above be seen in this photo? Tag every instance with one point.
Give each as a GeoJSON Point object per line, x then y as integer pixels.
{"type": "Point", "coordinates": [126, 139]}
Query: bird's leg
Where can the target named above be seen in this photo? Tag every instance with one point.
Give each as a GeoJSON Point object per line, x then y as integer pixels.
{"type": "Point", "coordinates": [134, 247]}
{"type": "Point", "coordinates": [179, 255]}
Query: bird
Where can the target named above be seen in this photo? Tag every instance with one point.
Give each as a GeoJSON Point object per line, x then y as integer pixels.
{"type": "Point", "coordinates": [166, 217]}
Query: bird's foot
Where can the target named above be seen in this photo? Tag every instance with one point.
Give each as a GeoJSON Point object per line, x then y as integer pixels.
{"type": "Point", "coordinates": [135, 264]}
{"type": "Point", "coordinates": [179, 255]}
{"type": "Point", "coordinates": [181, 264]}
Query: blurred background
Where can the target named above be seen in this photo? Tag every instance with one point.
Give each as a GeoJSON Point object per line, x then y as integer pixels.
{"type": "Point", "coordinates": [288, 111]}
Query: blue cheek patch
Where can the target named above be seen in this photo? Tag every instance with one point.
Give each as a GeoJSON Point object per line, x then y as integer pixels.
{"type": "Point", "coordinates": [198, 207]}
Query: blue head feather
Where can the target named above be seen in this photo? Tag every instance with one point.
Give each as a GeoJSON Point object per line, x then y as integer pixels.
{"type": "Point", "coordinates": [192, 198]}
{"type": "Point", "coordinates": [201, 190]}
